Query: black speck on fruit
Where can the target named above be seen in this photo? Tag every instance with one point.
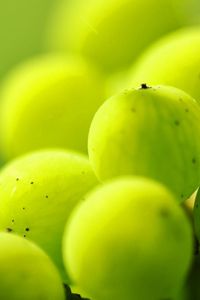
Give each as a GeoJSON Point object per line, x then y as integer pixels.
{"type": "Point", "coordinates": [27, 229]}
{"type": "Point", "coordinates": [164, 212]}
{"type": "Point", "coordinates": [23, 208]}
{"type": "Point", "coordinates": [31, 182]}
{"type": "Point", "coordinates": [46, 196]}
{"type": "Point", "coordinates": [17, 179]}
{"type": "Point", "coordinates": [9, 229]}
{"type": "Point", "coordinates": [176, 122]}
{"type": "Point", "coordinates": [24, 235]}
{"type": "Point", "coordinates": [194, 160]}
{"type": "Point", "coordinates": [13, 220]}
{"type": "Point", "coordinates": [144, 86]}
{"type": "Point", "coordinates": [126, 92]}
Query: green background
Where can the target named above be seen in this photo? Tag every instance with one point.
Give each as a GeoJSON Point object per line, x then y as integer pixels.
{"type": "Point", "coordinates": [22, 30]}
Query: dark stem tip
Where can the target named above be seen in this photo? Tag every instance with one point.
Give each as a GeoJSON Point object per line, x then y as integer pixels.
{"type": "Point", "coordinates": [144, 86]}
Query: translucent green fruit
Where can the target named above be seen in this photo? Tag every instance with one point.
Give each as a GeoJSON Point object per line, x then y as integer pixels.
{"type": "Point", "coordinates": [128, 240]}
{"type": "Point", "coordinates": [112, 33]}
{"type": "Point", "coordinates": [26, 272]}
{"type": "Point", "coordinates": [48, 102]}
{"type": "Point", "coordinates": [38, 193]}
{"type": "Point", "coordinates": [173, 60]}
{"type": "Point", "coordinates": [153, 132]}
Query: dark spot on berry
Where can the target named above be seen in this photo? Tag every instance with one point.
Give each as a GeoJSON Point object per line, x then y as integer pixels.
{"type": "Point", "coordinates": [32, 182]}
{"type": "Point", "coordinates": [47, 196]}
{"type": "Point", "coordinates": [9, 229]}
{"type": "Point", "coordinates": [23, 208]}
{"type": "Point", "coordinates": [24, 235]}
{"type": "Point", "coordinates": [164, 212]}
{"type": "Point", "coordinates": [27, 229]}
{"type": "Point", "coordinates": [186, 110]}
{"type": "Point", "coordinates": [13, 220]}
{"type": "Point", "coordinates": [144, 86]}
{"type": "Point", "coordinates": [17, 179]}
{"type": "Point", "coordinates": [194, 161]}
{"type": "Point", "coordinates": [176, 122]}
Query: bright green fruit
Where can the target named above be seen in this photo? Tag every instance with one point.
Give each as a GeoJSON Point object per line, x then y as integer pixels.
{"type": "Point", "coordinates": [112, 33]}
{"type": "Point", "coordinates": [38, 193]}
{"type": "Point", "coordinates": [153, 132]}
{"type": "Point", "coordinates": [48, 102]}
{"type": "Point", "coordinates": [26, 272]}
{"type": "Point", "coordinates": [128, 240]}
{"type": "Point", "coordinates": [173, 60]}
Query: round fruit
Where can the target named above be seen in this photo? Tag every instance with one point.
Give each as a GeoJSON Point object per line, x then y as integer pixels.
{"type": "Point", "coordinates": [112, 33]}
{"type": "Point", "coordinates": [26, 271]}
{"type": "Point", "coordinates": [48, 102]}
{"type": "Point", "coordinates": [128, 240]}
{"type": "Point", "coordinates": [153, 132]}
{"type": "Point", "coordinates": [38, 193]}
{"type": "Point", "coordinates": [173, 60]}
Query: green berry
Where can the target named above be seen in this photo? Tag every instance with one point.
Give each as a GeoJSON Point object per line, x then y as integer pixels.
{"type": "Point", "coordinates": [48, 102]}
{"type": "Point", "coordinates": [172, 60]}
{"type": "Point", "coordinates": [153, 132]}
{"type": "Point", "coordinates": [38, 193]}
{"type": "Point", "coordinates": [128, 240]}
{"type": "Point", "coordinates": [27, 273]}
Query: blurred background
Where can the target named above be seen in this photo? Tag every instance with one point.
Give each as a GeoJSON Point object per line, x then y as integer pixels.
{"type": "Point", "coordinates": [22, 30]}
{"type": "Point", "coordinates": [23, 27]}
